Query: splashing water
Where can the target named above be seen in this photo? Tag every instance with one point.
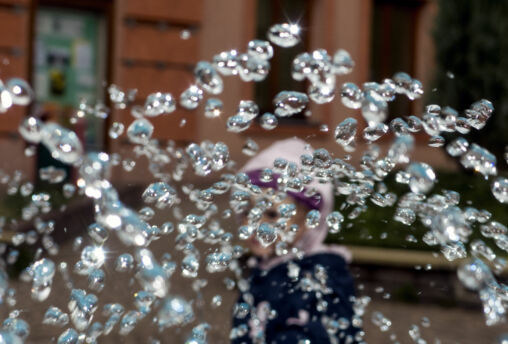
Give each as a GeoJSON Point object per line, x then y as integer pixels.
{"type": "Point", "coordinates": [449, 227]}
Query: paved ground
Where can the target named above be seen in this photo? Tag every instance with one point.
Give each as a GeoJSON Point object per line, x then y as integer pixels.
{"type": "Point", "coordinates": [449, 325]}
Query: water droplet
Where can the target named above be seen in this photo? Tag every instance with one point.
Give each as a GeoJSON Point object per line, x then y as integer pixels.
{"type": "Point", "coordinates": [405, 215]}
{"type": "Point", "coordinates": [220, 156]}
{"type": "Point", "coordinates": [124, 262]}
{"type": "Point", "coordinates": [399, 151]}
{"type": "Point", "coordinates": [342, 62]}
{"type": "Point", "coordinates": [251, 68]}
{"type": "Point", "coordinates": [415, 90]}
{"type": "Point", "coordinates": [150, 274]}
{"type": "Point", "coordinates": [42, 272]}
{"type": "Point", "coordinates": [381, 321]}
{"type": "Point", "coordinates": [250, 147]}
{"type": "Point", "coordinates": [185, 34]}
{"type": "Point", "coordinates": [116, 130]}
{"type": "Point", "coordinates": [457, 147]}
{"type": "Point", "coordinates": [399, 127]}
{"type": "Point", "coordinates": [266, 234]}
{"type": "Point", "coordinates": [121, 98]}
{"type": "Point", "coordinates": [436, 141]}
{"type": "Point", "coordinates": [94, 173]}
{"type": "Point", "coordinates": [268, 121]}
{"type": "Point", "coordinates": [92, 257]}
{"type": "Point", "coordinates": [301, 66]}
{"type": "Point", "coordinates": [260, 49]}
{"type": "Point", "coordinates": [479, 159]}
{"type": "Point", "coordinates": [198, 335]}
{"type": "Point", "coordinates": [227, 62]}
{"type": "Point", "coordinates": [140, 131]}
{"type": "Point", "coordinates": [129, 321]}
{"type": "Point", "coordinates": [98, 233]}
{"type": "Point", "coordinates": [30, 151]}
{"type": "Point", "coordinates": [412, 88]}
{"type": "Point", "coordinates": [374, 108]}
{"type": "Point", "coordinates": [190, 266]}
{"type": "Point", "coordinates": [288, 103]}
{"type": "Point", "coordinates": [55, 317]}
{"type": "Point", "coordinates": [82, 307]}
{"type": "Point", "coordinates": [52, 174]}
{"type": "Point", "coordinates": [313, 218]}
{"type": "Point", "coordinates": [247, 109]}
{"type": "Point", "coordinates": [474, 275]}
{"type": "Point", "coordinates": [414, 124]}
{"type": "Point", "coordinates": [158, 103]}
{"type": "Point", "coordinates": [351, 96]}
{"type": "Point", "coordinates": [241, 310]}
{"type": "Point", "coordinates": [213, 108]}
{"type": "Point", "coordinates": [217, 262]}
{"type": "Point", "coordinates": [480, 249]}
{"type": "Point", "coordinates": [479, 113]}
{"type": "Point", "coordinates": [144, 301]}
{"type": "Point", "coordinates": [63, 144]}
{"type": "Point", "coordinates": [321, 94]}
{"type": "Point", "coordinates": [167, 228]}
{"type": "Point", "coordinates": [96, 280]}
{"type": "Point", "coordinates": [346, 131]}
{"type": "Point", "coordinates": [238, 123]}
{"type": "Point", "coordinates": [21, 92]}
{"type": "Point", "coordinates": [161, 194]}
{"type": "Point", "coordinates": [190, 98]}
{"type": "Point", "coordinates": [31, 129]}
{"type": "Point", "coordinates": [500, 189]}
{"type": "Point", "coordinates": [216, 301]}
{"type": "Point", "coordinates": [174, 311]}
{"type": "Point", "coordinates": [462, 126]}
{"type": "Point", "coordinates": [69, 336]}
{"type": "Point", "coordinates": [334, 222]}
{"type": "Point", "coordinates": [493, 229]}
{"type": "Point", "coordinates": [16, 326]}
{"type": "Point", "coordinates": [100, 110]}
{"type": "Point", "coordinates": [421, 177]}
{"type": "Point", "coordinates": [208, 78]}
{"type": "Point", "coordinates": [284, 35]}
{"type": "Point", "coordinates": [450, 226]}
{"type": "Point", "coordinates": [245, 232]}
{"type": "Point", "coordinates": [374, 132]}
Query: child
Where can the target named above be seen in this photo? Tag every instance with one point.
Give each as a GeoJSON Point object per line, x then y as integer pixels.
{"type": "Point", "coordinates": [304, 296]}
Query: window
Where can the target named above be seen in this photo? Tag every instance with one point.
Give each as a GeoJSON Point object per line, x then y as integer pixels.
{"type": "Point", "coordinates": [278, 11]}
{"type": "Point", "coordinates": [393, 44]}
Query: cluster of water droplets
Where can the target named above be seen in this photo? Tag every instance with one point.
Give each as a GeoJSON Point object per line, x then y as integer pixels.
{"type": "Point", "coordinates": [14, 91]}
{"type": "Point", "coordinates": [63, 143]}
{"type": "Point", "coordinates": [267, 213]}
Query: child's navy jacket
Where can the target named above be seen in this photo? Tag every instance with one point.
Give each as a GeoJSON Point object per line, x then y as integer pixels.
{"type": "Point", "coordinates": [307, 299]}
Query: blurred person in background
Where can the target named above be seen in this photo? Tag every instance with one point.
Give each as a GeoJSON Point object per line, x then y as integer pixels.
{"type": "Point", "coordinates": [298, 290]}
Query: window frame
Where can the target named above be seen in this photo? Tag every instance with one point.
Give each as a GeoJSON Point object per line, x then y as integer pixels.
{"type": "Point", "coordinates": [321, 16]}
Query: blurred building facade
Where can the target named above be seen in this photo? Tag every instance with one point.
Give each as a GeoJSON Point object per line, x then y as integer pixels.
{"type": "Point", "coordinates": [152, 45]}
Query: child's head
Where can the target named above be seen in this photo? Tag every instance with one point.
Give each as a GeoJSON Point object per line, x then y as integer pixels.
{"type": "Point", "coordinates": [272, 206]}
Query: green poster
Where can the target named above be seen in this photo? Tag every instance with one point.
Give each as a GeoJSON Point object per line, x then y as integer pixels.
{"type": "Point", "coordinates": [66, 56]}
{"type": "Point", "coordinates": [68, 64]}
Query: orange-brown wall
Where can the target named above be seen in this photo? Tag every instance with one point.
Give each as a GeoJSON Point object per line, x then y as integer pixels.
{"type": "Point", "coordinates": [147, 53]}
{"type": "Point", "coordinates": [335, 24]}
{"type": "Point", "coordinates": [15, 20]}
